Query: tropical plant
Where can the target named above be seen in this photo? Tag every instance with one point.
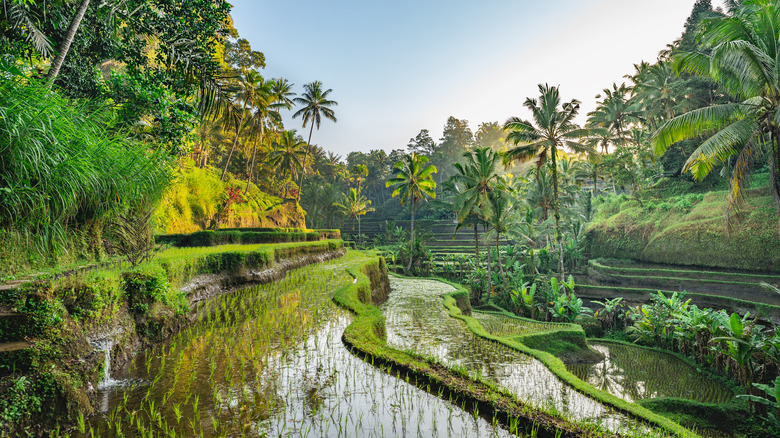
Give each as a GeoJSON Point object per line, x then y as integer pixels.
{"type": "Point", "coordinates": [288, 155]}
{"type": "Point", "coordinates": [413, 181]}
{"type": "Point", "coordinates": [316, 105]}
{"type": "Point", "coordinates": [552, 128]}
{"type": "Point", "coordinates": [740, 53]}
{"type": "Point", "coordinates": [354, 204]}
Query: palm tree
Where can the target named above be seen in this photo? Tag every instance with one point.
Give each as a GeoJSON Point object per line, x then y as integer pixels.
{"type": "Point", "coordinates": [264, 100]}
{"type": "Point", "coordinates": [414, 182]}
{"type": "Point", "coordinates": [743, 57]}
{"type": "Point", "coordinates": [614, 113]}
{"type": "Point", "coordinates": [245, 97]}
{"type": "Point", "coordinates": [288, 155]}
{"type": "Point", "coordinates": [476, 178]}
{"type": "Point", "coordinates": [315, 106]}
{"type": "Point", "coordinates": [354, 204]}
{"type": "Point", "coordinates": [64, 47]}
{"type": "Point", "coordinates": [502, 219]}
{"type": "Point", "coordinates": [552, 128]}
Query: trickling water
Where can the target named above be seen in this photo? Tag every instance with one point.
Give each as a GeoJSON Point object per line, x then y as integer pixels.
{"type": "Point", "coordinates": [105, 346]}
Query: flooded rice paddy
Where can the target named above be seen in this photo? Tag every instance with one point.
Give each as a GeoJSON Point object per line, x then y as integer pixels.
{"type": "Point", "coordinates": [417, 321]}
{"type": "Point", "coordinates": [269, 361]}
{"type": "Point", "coordinates": [635, 373]}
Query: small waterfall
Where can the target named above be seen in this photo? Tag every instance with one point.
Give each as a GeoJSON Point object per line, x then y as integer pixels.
{"type": "Point", "coordinates": [105, 345]}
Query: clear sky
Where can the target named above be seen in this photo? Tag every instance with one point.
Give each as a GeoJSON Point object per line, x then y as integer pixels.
{"type": "Point", "coordinates": [399, 66]}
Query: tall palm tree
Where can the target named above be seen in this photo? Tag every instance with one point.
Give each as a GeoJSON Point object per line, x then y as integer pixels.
{"type": "Point", "coordinates": [740, 53]}
{"type": "Point", "coordinates": [264, 112]}
{"type": "Point", "coordinates": [614, 112]}
{"type": "Point", "coordinates": [477, 177]}
{"type": "Point", "coordinates": [552, 128]}
{"type": "Point", "coordinates": [244, 97]}
{"type": "Point", "coordinates": [316, 105]}
{"type": "Point", "coordinates": [288, 155]}
{"type": "Point", "coordinates": [354, 204]}
{"type": "Point", "coordinates": [414, 182]}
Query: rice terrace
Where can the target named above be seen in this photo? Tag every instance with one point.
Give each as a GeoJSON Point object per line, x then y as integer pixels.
{"type": "Point", "coordinates": [239, 219]}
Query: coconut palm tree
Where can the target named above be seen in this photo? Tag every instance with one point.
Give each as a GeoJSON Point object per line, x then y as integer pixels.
{"type": "Point", "coordinates": [614, 113]}
{"type": "Point", "coordinates": [413, 181]}
{"type": "Point", "coordinates": [249, 88]}
{"type": "Point", "coordinates": [740, 53]}
{"type": "Point", "coordinates": [316, 105]}
{"type": "Point", "coordinates": [354, 204]}
{"type": "Point", "coordinates": [477, 177]}
{"type": "Point", "coordinates": [264, 112]}
{"type": "Point", "coordinates": [288, 155]}
{"type": "Point", "coordinates": [552, 128]}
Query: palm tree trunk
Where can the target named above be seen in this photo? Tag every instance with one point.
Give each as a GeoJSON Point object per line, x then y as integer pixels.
{"type": "Point", "coordinates": [557, 214]}
{"type": "Point", "coordinates": [411, 239]}
{"type": "Point", "coordinates": [305, 156]}
{"type": "Point", "coordinates": [498, 254]}
{"type": "Point", "coordinates": [62, 51]}
{"type": "Point", "coordinates": [489, 270]}
{"type": "Point", "coordinates": [774, 169]}
{"type": "Point", "coordinates": [254, 154]}
{"type": "Point", "coordinates": [235, 141]}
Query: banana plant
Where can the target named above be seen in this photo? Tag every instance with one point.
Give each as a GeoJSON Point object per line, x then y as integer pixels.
{"type": "Point", "coordinates": [772, 398]}
{"type": "Point", "coordinates": [742, 340]}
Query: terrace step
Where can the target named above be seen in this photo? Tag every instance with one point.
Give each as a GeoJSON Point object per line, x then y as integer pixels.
{"type": "Point", "coordinates": [625, 267]}
{"type": "Point", "coordinates": [10, 347]}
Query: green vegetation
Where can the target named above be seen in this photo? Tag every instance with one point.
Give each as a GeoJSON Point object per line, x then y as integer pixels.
{"type": "Point", "coordinates": [688, 230]}
{"type": "Point", "coordinates": [557, 367]}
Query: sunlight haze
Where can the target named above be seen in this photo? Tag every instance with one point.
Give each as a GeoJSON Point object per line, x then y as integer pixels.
{"type": "Point", "coordinates": [398, 67]}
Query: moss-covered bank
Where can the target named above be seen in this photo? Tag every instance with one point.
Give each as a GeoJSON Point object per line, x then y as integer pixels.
{"type": "Point", "coordinates": [690, 230]}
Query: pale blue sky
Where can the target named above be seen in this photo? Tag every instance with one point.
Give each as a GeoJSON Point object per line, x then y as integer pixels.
{"type": "Point", "coordinates": [396, 67]}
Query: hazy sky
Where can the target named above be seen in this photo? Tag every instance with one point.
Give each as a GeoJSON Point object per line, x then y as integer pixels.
{"type": "Point", "coordinates": [400, 66]}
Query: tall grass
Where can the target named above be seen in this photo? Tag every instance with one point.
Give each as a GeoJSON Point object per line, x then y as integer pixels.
{"type": "Point", "coordinates": [63, 167]}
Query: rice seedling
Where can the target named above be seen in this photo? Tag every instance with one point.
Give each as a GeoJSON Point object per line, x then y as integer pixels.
{"type": "Point", "coordinates": [269, 360]}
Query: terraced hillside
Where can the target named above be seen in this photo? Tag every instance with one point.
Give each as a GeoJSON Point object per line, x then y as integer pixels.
{"type": "Point", "coordinates": [444, 240]}
{"type": "Point", "coordinates": [731, 290]}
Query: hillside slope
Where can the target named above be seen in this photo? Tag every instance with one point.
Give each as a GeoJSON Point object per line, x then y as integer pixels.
{"type": "Point", "coordinates": [690, 230]}
{"type": "Point", "coordinates": [192, 202]}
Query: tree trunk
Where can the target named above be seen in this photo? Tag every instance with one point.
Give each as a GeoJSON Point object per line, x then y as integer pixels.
{"type": "Point", "coordinates": [305, 157]}
{"type": "Point", "coordinates": [254, 154]}
{"type": "Point", "coordinates": [235, 141]}
{"type": "Point", "coordinates": [557, 214]}
{"type": "Point", "coordinates": [774, 170]}
{"type": "Point", "coordinates": [489, 270]}
{"type": "Point", "coordinates": [498, 254]}
{"type": "Point", "coordinates": [411, 239]}
{"type": "Point", "coordinates": [62, 51]}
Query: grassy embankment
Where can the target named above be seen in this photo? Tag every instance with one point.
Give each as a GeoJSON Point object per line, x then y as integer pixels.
{"type": "Point", "coordinates": [46, 383]}
{"type": "Point", "coordinates": [690, 230]}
